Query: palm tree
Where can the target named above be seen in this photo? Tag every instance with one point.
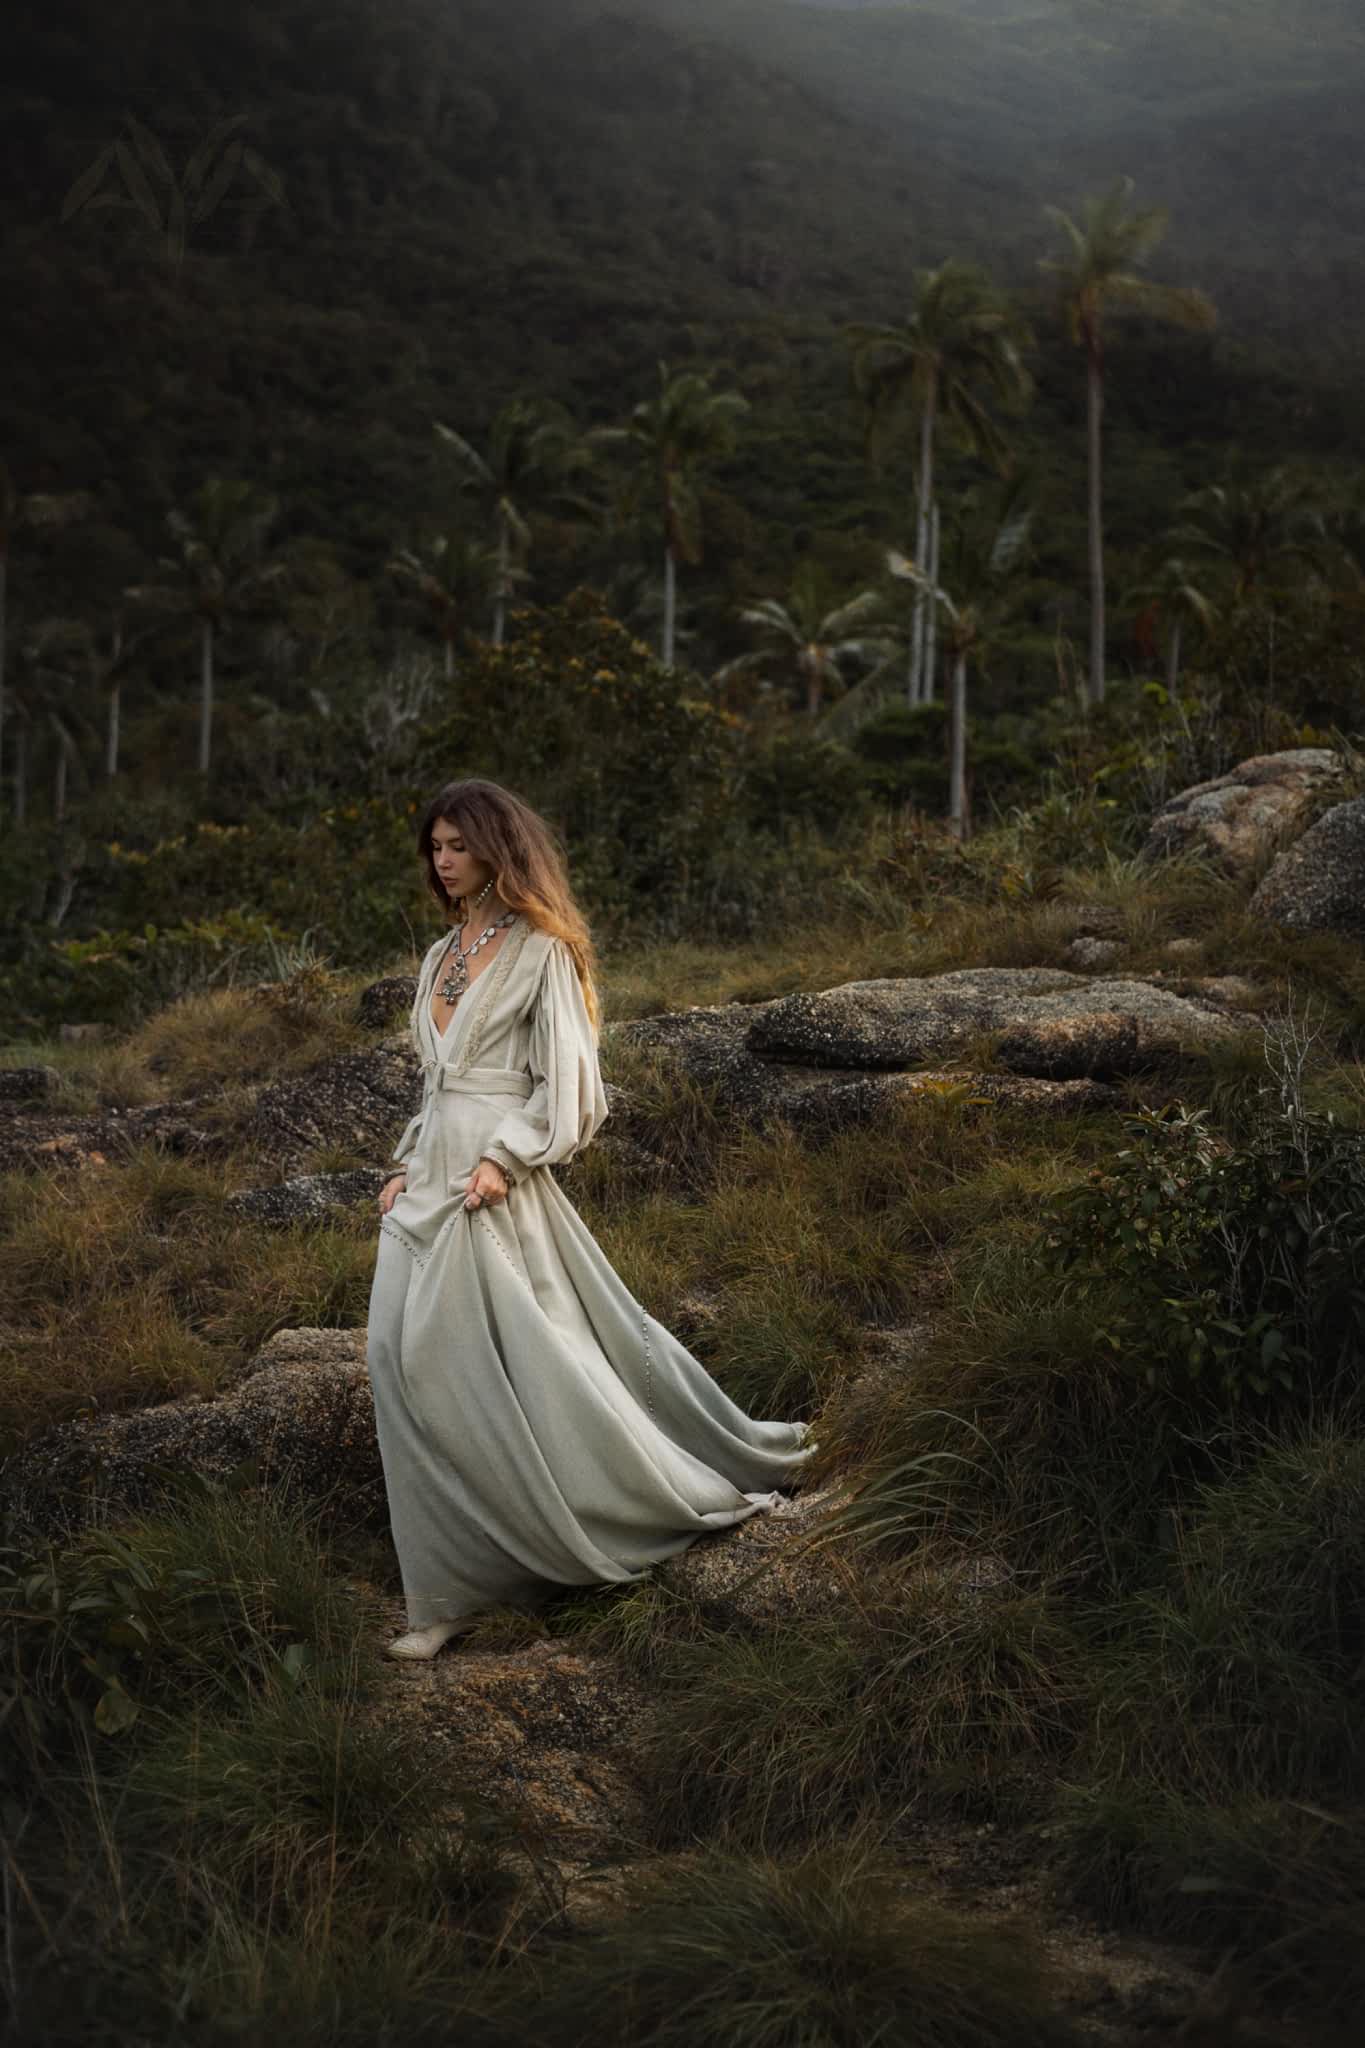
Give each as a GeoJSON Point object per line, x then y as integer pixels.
{"type": "Point", "coordinates": [220, 571]}
{"type": "Point", "coordinates": [37, 508]}
{"type": "Point", "coordinates": [984, 597]}
{"type": "Point", "coordinates": [811, 638]}
{"type": "Point", "coordinates": [1255, 529]}
{"type": "Point", "coordinates": [963, 335]}
{"type": "Point", "coordinates": [671, 436]}
{"type": "Point", "coordinates": [451, 574]}
{"type": "Point", "coordinates": [169, 206]}
{"type": "Point", "coordinates": [1098, 275]}
{"type": "Point", "coordinates": [535, 452]}
{"type": "Point", "coordinates": [1174, 599]}
{"type": "Point", "coordinates": [50, 659]}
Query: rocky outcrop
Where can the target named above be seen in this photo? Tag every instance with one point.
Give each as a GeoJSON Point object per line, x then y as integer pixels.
{"type": "Point", "coordinates": [308, 1198]}
{"type": "Point", "coordinates": [1238, 818]}
{"type": "Point", "coordinates": [304, 1410]}
{"type": "Point", "coordinates": [1318, 885]}
{"type": "Point", "coordinates": [48, 1137]}
{"type": "Point", "coordinates": [821, 1062]}
{"type": "Point", "coordinates": [721, 1048]}
{"type": "Point", "coordinates": [382, 1003]}
{"type": "Point", "coordinates": [26, 1084]}
{"type": "Point", "coordinates": [356, 1101]}
{"type": "Point", "coordinates": [359, 1100]}
{"type": "Point", "coordinates": [1052, 1025]}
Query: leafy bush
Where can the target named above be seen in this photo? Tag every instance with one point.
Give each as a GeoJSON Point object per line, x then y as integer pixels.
{"type": "Point", "coordinates": [636, 768]}
{"type": "Point", "coordinates": [1240, 1266]}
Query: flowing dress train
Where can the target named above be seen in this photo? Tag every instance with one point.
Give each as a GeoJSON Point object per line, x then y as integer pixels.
{"type": "Point", "coordinates": [537, 1426]}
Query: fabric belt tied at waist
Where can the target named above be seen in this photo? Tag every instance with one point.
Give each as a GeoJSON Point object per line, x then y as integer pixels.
{"type": "Point", "coordinates": [481, 1080]}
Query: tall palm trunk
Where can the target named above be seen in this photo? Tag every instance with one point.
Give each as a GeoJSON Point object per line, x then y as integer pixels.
{"type": "Point", "coordinates": [205, 694]}
{"type": "Point", "coordinates": [670, 602]}
{"type": "Point", "coordinates": [925, 494]}
{"type": "Point", "coordinates": [500, 599]}
{"type": "Point", "coordinates": [4, 581]}
{"type": "Point", "coordinates": [957, 751]}
{"type": "Point", "coordinates": [1095, 383]}
{"type": "Point", "coordinates": [450, 657]}
{"type": "Point", "coordinates": [1173, 657]}
{"type": "Point", "coordinates": [59, 780]}
{"type": "Point", "coordinates": [111, 731]}
{"type": "Point", "coordinates": [810, 663]}
{"type": "Point", "coordinates": [931, 614]}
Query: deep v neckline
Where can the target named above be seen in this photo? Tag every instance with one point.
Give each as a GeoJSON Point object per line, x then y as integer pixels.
{"type": "Point", "coordinates": [440, 1034]}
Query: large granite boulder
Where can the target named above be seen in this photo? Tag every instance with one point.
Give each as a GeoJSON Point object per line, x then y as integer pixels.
{"type": "Point", "coordinates": [1239, 817]}
{"type": "Point", "coordinates": [1053, 1025]}
{"type": "Point", "coordinates": [1318, 884]}
{"type": "Point", "coordinates": [304, 1409]}
{"type": "Point", "coordinates": [718, 1046]}
{"type": "Point", "coordinates": [357, 1101]}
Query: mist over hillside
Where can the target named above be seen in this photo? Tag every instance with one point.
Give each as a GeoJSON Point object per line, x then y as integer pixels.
{"type": "Point", "coordinates": [555, 194]}
{"type": "Point", "coordinates": [1240, 115]}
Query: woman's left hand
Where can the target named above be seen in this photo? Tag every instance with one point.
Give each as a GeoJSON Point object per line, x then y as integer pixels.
{"type": "Point", "coordinates": [486, 1183]}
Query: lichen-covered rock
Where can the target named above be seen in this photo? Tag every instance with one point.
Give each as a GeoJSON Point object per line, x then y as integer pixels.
{"type": "Point", "coordinates": [1054, 1025]}
{"type": "Point", "coordinates": [715, 1046]}
{"type": "Point", "coordinates": [544, 1730]}
{"type": "Point", "coordinates": [360, 1100]}
{"type": "Point", "coordinates": [309, 1197]}
{"type": "Point", "coordinates": [1085, 951]}
{"type": "Point", "coordinates": [900, 1021]}
{"type": "Point", "coordinates": [49, 1137]}
{"type": "Point", "coordinates": [25, 1084]}
{"type": "Point", "coordinates": [755, 1574]}
{"type": "Point", "coordinates": [305, 1408]}
{"type": "Point", "coordinates": [1110, 1029]}
{"type": "Point", "coordinates": [1238, 817]}
{"type": "Point", "coordinates": [381, 1002]}
{"type": "Point", "coordinates": [1318, 884]}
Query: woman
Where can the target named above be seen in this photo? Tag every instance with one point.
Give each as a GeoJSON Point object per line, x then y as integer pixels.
{"type": "Point", "coordinates": [537, 1426]}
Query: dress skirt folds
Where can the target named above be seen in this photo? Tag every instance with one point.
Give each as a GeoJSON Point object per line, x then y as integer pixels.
{"type": "Point", "coordinates": [538, 1428]}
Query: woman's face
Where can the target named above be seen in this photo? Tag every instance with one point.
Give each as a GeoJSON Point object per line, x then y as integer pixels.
{"type": "Point", "coordinates": [460, 873]}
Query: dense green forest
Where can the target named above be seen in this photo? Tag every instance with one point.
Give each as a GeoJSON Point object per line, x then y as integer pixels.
{"type": "Point", "coordinates": [480, 199]}
{"type": "Point", "coordinates": [249, 266]}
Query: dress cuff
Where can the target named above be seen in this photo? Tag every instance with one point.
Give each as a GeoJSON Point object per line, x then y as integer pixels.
{"type": "Point", "coordinates": [503, 1160]}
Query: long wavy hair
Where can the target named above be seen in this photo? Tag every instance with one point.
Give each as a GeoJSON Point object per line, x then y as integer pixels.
{"type": "Point", "coordinates": [529, 870]}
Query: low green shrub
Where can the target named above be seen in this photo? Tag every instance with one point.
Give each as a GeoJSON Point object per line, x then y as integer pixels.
{"type": "Point", "coordinates": [1240, 1268]}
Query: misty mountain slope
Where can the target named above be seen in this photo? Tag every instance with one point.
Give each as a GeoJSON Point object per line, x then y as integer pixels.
{"type": "Point", "coordinates": [474, 206]}
{"type": "Point", "coordinates": [1239, 117]}
{"type": "Point", "coordinates": [484, 199]}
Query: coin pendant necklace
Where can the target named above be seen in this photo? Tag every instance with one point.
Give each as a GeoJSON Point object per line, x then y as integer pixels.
{"type": "Point", "coordinates": [457, 972]}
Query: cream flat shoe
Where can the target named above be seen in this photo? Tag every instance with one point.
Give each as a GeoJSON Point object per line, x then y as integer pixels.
{"type": "Point", "coordinates": [425, 1642]}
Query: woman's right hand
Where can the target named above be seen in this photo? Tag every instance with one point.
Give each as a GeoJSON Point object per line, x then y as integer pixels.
{"type": "Point", "coordinates": [390, 1190]}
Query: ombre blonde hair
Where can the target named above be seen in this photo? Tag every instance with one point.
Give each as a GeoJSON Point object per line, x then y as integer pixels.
{"type": "Point", "coordinates": [529, 871]}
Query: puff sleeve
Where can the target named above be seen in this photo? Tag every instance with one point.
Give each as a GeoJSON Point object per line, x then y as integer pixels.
{"type": "Point", "coordinates": [568, 1103]}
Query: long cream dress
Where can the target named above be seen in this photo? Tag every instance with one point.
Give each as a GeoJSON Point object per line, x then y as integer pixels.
{"type": "Point", "coordinates": [538, 1428]}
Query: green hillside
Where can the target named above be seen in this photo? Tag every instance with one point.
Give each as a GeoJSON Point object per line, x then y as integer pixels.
{"type": "Point", "coordinates": [1239, 116]}
{"type": "Point", "coordinates": [481, 201]}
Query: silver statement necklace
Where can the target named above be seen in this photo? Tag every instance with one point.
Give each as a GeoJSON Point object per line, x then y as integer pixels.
{"type": "Point", "coordinates": [457, 972]}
